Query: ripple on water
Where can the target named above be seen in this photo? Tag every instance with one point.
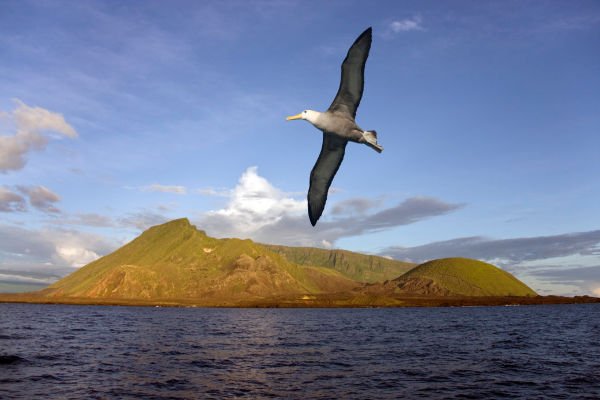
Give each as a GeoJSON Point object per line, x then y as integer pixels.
{"type": "Point", "coordinates": [139, 353]}
{"type": "Point", "coordinates": [45, 377]}
{"type": "Point", "coordinates": [10, 359]}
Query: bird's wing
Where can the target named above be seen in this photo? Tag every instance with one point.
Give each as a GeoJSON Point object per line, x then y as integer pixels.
{"type": "Point", "coordinates": [352, 82]}
{"type": "Point", "coordinates": [321, 176]}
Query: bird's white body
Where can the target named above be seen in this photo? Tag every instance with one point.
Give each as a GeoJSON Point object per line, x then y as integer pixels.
{"type": "Point", "coordinates": [341, 125]}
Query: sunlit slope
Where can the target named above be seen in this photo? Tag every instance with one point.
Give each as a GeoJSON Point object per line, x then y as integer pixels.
{"type": "Point", "coordinates": [356, 266]}
{"type": "Point", "coordinates": [460, 276]}
{"type": "Point", "coordinates": [175, 260]}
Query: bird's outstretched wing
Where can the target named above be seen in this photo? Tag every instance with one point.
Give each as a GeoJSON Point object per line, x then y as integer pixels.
{"type": "Point", "coordinates": [352, 82]}
{"type": "Point", "coordinates": [321, 176]}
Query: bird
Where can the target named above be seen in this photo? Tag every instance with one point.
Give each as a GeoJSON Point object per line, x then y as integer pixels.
{"type": "Point", "coordinates": [338, 125]}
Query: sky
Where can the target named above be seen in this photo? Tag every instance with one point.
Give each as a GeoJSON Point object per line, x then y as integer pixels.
{"type": "Point", "coordinates": [116, 116]}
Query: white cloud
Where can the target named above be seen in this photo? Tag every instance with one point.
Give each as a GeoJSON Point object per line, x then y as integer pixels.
{"type": "Point", "coordinates": [76, 256]}
{"type": "Point", "coordinates": [76, 248]}
{"type": "Point", "coordinates": [41, 198]}
{"type": "Point", "coordinates": [596, 291]}
{"type": "Point", "coordinates": [30, 124]}
{"type": "Point", "coordinates": [37, 119]}
{"type": "Point", "coordinates": [156, 187]}
{"type": "Point", "coordinates": [11, 201]}
{"type": "Point", "coordinates": [406, 25]}
{"type": "Point", "coordinates": [327, 244]}
{"type": "Point", "coordinates": [253, 204]}
{"type": "Point", "coordinates": [50, 249]}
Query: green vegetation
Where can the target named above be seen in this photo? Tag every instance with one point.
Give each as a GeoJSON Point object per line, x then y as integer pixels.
{"type": "Point", "coordinates": [463, 277]}
{"type": "Point", "coordinates": [176, 264]}
{"type": "Point", "coordinates": [356, 266]}
{"type": "Point", "coordinates": [175, 260]}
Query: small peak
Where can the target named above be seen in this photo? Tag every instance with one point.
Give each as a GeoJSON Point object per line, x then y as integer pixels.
{"type": "Point", "coordinates": [178, 225]}
{"type": "Point", "coordinates": [179, 221]}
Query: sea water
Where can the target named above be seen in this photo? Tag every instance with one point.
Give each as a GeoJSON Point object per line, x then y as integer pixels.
{"type": "Point", "coordinates": [102, 352]}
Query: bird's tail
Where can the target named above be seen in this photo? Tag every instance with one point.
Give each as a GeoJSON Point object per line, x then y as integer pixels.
{"type": "Point", "coordinates": [371, 140]}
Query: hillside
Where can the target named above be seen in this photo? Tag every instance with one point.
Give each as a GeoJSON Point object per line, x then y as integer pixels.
{"type": "Point", "coordinates": [459, 277]}
{"type": "Point", "coordinates": [356, 266]}
{"type": "Point", "coordinates": [177, 264]}
{"type": "Point", "coordinates": [176, 261]}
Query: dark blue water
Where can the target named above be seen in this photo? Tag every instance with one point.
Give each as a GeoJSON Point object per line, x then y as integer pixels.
{"type": "Point", "coordinates": [86, 352]}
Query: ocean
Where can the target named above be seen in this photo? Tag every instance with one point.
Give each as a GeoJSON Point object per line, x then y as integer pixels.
{"type": "Point", "coordinates": [105, 352]}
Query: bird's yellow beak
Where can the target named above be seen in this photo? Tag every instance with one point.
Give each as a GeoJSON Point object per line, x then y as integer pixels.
{"type": "Point", "coordinates": [299, 116]}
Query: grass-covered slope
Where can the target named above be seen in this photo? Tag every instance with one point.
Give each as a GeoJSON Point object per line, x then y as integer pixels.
{"type": "Point", "coordinates": [356, 266]}
{"type": "Point", "coordinates": [462, 277]}
{"type": "Point", "coordinates": [176, 261]}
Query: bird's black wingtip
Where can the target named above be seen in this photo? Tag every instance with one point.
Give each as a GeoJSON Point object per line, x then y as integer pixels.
{"type": "Point", "coordinates": [313, 219]}
{"type": "Point", "coordinates": [366, 34]}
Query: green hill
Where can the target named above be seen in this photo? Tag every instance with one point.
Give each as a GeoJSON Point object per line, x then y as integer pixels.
{"type": "Point", "coordinates": [356, 266]}
{"type": "Point", "coordinates": [177, 261]}
{"type": "Point", "coordinates": [462, 277]}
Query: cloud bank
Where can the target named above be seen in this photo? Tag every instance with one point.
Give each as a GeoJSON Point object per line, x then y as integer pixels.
{"type": "Point", "coordinates": [505, 251]}
{"type": "Point", "coordinates": [258, 210]}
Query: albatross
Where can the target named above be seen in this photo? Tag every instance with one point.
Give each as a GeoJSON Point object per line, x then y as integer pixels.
{"type": "Point", "coordinates": [338, 125]}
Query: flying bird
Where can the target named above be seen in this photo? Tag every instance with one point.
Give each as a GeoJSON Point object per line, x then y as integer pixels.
{"type": "Point", "coordinates": [338, 125]}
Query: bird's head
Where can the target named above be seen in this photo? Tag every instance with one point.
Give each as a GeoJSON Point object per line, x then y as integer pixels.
{"type": "Point", "coordinates": [309, 115]}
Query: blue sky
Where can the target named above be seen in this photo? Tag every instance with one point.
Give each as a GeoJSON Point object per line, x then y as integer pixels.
{"type": "Point", "coordinates": [117, 116]}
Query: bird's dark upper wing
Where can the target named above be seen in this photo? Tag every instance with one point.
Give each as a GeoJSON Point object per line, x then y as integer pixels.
{"type": "Point", "coordinates": [352, 83]}
{"type": "Point", "coordinates": [321, 176]}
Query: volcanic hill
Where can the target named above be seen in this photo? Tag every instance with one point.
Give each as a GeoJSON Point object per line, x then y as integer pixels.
{"type": "Point", "coordinates": [176, 261]}
{"type": "Point", "coordinates": [455, 277]}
